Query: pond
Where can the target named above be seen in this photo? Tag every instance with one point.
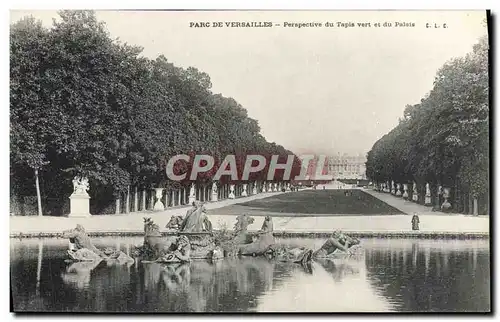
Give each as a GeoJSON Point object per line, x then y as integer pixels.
{"type": "Point", "coordinates": [393, 275]}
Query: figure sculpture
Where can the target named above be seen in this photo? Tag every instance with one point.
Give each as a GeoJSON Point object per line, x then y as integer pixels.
{"type": "Point", "coordinates": [154, 242]}
{"type": "Point", "coordinates": [338, 242]}
{"type": "Point", "coordinates": [82, 248]}
{"type": "Point", "coordinates": [215, 193]}
{"type": "Point", "coordinates": [241, 235]}
{"type": "Point", "coordinates": [179, 252]}
{"type": "Point", "coordinates": [80, 185]}
{"type": "Point", "coordinates": [175, 222]}
{"type": "Point", "coordinates": [287, 253]}
{"type": "Point", "coordinates": [192, 194]}
{"type": "Point", "coordinates": [196, 220]}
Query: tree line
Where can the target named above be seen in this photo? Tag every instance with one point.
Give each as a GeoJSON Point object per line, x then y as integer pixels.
{"type": "Point", "coordinates": [85, 104]}
{"type": "Point", "coordinates": [444, 139]}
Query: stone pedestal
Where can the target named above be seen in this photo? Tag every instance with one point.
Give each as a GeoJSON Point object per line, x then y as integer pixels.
{"type": "Point", "coordinates": [79, 205]}
{"type": "Point", "coordinates": [244, 192]}
{"type": "Point", "coordinates": [159, 206]}
{"type": "Point", "coordinates": [428, 200]}
{"type": "Point", "coordinates": [231, 192]}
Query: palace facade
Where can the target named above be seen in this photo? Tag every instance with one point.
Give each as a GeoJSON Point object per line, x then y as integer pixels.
{"type": "Point", "coordinates": [345, 166]}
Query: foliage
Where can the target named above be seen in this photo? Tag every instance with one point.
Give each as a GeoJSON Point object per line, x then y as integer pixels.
{"type": "Point", "coordinates": [445, 138]}
{"type": "Point", "coordinates": [83, 103]}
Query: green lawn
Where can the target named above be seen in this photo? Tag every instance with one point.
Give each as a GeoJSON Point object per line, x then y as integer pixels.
{"type": "Point", "coordinates": [312, 202]}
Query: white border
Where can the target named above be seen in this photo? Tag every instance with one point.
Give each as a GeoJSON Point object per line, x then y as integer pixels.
{"type": "Point", "coordinates": [190, 4]}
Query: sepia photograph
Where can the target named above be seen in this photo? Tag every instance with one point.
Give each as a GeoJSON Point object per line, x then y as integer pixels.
{"type": "Point", "coordinates": [251, 161]}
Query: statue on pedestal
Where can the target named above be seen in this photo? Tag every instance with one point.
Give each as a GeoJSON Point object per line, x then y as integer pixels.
{"type": "Point", "coordinates": [80, 199]}
{"type": "Point", "coordinates": [398, 189]}
{"type": "Point", "coordinates": [244, 192]}
{"type": "Point", "coordinates": [192, 194]}
{"type": "Point", "coordinates": [428, 200]}
{"type": "Point", "coordinates": [415, 192]}
{"type": "Point", "coordinates": [446, 195]}
{"type": "Point", "coordinates": [159, 206]}
{"type": "Point", "coordinates": [215, 194]}
{"type": "Point", "coordinates": [405, 193]}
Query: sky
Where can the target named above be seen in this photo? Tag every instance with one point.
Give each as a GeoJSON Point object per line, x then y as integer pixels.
{"type": "Point", "coordinates": [323, 90]}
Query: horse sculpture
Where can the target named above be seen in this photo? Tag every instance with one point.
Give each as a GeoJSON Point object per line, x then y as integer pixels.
{"type": "Point", "coordinates": [264, 240]}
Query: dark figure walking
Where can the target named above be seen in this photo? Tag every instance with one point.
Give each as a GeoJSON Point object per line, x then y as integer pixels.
{"type": "Point", "coordinates": [414, 222]}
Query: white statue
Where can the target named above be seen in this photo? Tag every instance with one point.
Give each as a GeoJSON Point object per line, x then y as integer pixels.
{"type": "Point", "coordinates": [192, 194]}
{"type": "Point", "coordinates": [80, 185]}
{"type": "Point", "coordinates": [398, 189]}
{"type": "Point", "coordinates": [244, 192]}
{"type": "Point", "coordinates": [215, 195]}
{"type": "Point", "coordinates": [446, 195]}
{"type": "Point", "coordinates": [159, 206]}
{"type": "Point", "coordinates": [405, 188]}
{"type": "Point", "coordinates": [428, 200]}
{"type": "Point", "coordinates": [231, 192]}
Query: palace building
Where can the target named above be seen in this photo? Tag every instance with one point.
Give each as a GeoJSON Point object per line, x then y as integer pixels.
{"type": "Point", "coordinates": [347, 166]}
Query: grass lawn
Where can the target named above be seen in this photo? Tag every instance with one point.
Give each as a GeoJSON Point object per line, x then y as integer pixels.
{"type": "Point", "coordinates": [312, 202]}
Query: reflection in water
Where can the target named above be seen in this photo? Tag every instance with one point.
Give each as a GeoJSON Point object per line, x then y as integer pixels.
{"type": "Point", "coordinates": [78, 273]}
{"type": "Point", "coordinates": [39, 266]}
{"type": "Point", "coordinates": [441, 277]}
{"type": "Point", "coordinates": [393, 275]}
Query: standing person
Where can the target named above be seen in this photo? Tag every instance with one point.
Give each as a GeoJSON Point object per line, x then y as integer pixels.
{"type": "Point", "coordinates": [415, 221]}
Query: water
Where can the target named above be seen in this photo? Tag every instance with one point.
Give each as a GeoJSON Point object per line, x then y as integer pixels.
{"type": "Point", "coordinates": [393, 275]}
